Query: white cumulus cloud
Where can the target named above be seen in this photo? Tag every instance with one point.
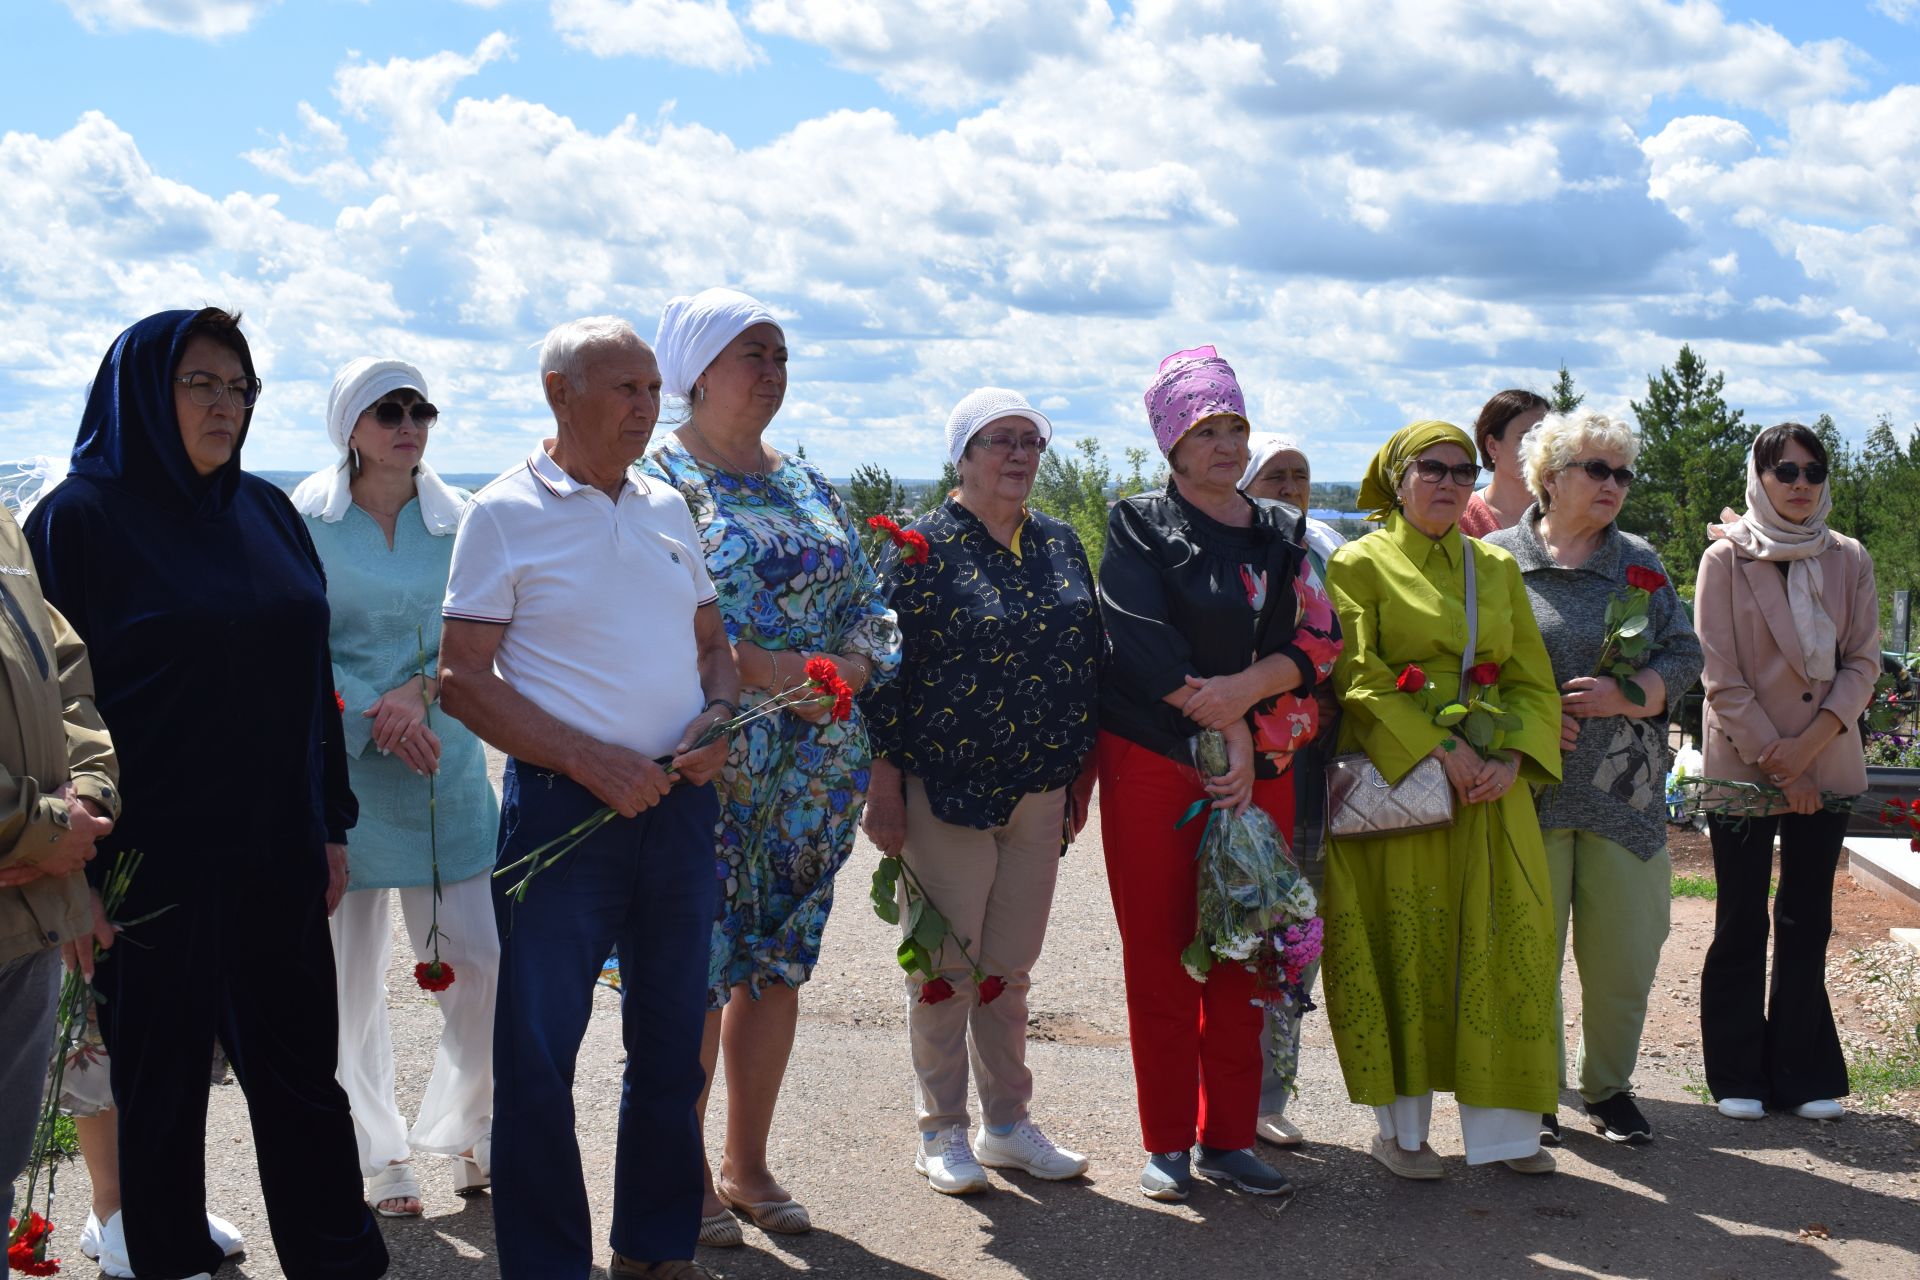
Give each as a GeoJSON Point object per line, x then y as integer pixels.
{"type": "Point", "coordinates": [697, 33]}
{"type": "Point", "coordinates": [207, 19]}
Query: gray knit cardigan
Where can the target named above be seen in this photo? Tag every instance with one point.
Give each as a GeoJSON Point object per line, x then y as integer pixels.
{"type": "Point", "coordinates": [1614, 781]}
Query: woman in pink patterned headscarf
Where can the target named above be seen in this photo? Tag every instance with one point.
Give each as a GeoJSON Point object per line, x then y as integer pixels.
{"type": "Point", "coordinates": [1217, 621]}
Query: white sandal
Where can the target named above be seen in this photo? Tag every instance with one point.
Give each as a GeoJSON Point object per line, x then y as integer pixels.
{"type": "Point", "coordinates": [395, 1182]}
{"type": "Point", "coordinates": [474, 1174]}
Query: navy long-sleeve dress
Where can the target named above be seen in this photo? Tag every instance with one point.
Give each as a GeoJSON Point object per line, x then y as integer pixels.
{"type": "Point", "coordinates": [205, 615]}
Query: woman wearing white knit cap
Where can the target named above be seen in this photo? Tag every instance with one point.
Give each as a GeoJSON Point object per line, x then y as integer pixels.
{"type": "Point", "coordinates": [383, 524]}
{"type": "Point", "coordinates": [794, 584]}
{"type": "Point", "coordinates": [1277, 469]}
{"type": "Point", "coordinates": [980, 775]}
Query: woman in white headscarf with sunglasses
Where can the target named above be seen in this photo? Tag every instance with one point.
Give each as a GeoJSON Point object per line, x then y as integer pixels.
{"type": "Point", "coordinates": [794, 584]}
{"type": "Point", "coordinates": [383, 524]}
{"type": "Point", "coordinates": [1277, 469]}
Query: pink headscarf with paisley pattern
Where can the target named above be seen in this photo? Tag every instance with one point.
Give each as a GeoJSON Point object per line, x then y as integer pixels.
{"type": "Point", "coordinates": [1191, 385]}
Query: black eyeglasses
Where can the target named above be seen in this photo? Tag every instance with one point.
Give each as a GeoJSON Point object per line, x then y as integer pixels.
{"type": "Point", "coordinates": [204, 389]}
{"type": "Point", "coordinates": [1789, 472]}
{"type": "Point", "coordinates": [1599, 471]}
{"type": "Point", "coordinates": [1433, 471]}
{"type": "Point", "coordinates": [390, 413]}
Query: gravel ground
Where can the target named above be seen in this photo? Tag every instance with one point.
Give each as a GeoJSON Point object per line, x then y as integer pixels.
{"type": "Point", "coordinates": [1709, 1198]}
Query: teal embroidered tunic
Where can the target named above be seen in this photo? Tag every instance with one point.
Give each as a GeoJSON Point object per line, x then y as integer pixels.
{"type": "Point", "coordinates": [384, 603]}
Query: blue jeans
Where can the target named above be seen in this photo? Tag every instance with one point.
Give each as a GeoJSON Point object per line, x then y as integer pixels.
{"type": "Point", "coordinates": [29, 986]}
{"type": "Point", "coordinates": [647, 886]}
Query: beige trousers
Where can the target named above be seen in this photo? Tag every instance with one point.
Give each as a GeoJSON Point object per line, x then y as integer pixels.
{"type": "Point", "coordinates": [996, 889]}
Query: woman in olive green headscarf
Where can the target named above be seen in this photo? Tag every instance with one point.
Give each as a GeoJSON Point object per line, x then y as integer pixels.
{"type": "Point", "coordinates": [1439, 969]}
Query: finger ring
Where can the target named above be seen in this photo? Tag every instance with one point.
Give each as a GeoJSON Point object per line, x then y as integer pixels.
{"type": "Point", "coordinates": [403, 737]}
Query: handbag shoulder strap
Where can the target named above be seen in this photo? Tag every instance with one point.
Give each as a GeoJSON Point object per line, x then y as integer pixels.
{"type": "Point", "coordinates": [1473, 616]}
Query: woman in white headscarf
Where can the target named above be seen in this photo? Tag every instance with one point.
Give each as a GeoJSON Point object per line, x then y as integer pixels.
{"type": "Point", "coordinates": [1789, 622]}
{"type": "Point", "coordinates": [794, 584]}
{"type": "Point", "coordinates": [383, 524]}
{"type": "Point", "coordinates": [1277, 469]}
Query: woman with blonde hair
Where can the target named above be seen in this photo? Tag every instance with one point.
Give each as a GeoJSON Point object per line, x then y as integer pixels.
{"type": "Point", "coordinates": [1604, 825]}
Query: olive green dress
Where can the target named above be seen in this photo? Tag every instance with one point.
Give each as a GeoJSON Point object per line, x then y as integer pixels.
{"type": "Point", "coordinates": [1440, 964]}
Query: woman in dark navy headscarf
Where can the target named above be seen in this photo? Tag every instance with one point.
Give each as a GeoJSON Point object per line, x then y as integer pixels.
{"type": "Point", "coordinates": [205, 613]}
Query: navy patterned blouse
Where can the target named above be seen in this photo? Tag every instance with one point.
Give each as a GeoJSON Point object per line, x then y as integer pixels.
{"type": "Point", "coordinates": [999, 677]}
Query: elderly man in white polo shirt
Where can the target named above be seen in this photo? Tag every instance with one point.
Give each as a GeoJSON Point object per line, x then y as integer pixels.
{"type": "Point", "coordinates": [582, 639]}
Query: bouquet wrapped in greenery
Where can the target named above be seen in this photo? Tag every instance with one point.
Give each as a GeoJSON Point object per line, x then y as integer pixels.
{"type": "Point", "coordinates": [1255, 908]}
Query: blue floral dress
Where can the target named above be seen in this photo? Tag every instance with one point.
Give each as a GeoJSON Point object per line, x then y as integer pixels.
{"type": "Point", "coordinates": [785, 557]}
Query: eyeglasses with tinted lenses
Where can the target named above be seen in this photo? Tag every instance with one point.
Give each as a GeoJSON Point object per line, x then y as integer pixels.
{"type": "Point", "coordinates": [389, 413]}
{"type": "Point", "coordinates": [1433, 471]}
{"type": "Point", "coordinates": [205, 390]}
{"type": "Point", "coordinates": [1599, 471]}
{"type": "Point", "coordinates": [998, 443]}
{"type": "Point", "coordinates": [1789, 472]}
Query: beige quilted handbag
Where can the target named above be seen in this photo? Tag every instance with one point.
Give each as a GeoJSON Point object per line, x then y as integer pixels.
{"type": "Point", "coordinates": [1361, 803]}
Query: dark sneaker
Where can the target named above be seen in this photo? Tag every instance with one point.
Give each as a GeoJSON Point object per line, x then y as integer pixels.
{"type": "Point", "coordinates": [1549, 1129]}
{"type": "Point", "coordinates": [1241, 1169]}
{"type": "Point", "coordinates": [1167, 1176]}
{"type": "Point", "coordinates": [1618, 1120]}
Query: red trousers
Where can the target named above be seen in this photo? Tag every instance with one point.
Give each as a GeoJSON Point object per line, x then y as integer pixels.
{"type": "Point", "coordinates": [1196, 1046]}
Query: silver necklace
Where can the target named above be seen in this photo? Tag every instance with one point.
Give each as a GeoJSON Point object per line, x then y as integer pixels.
{"type": "Point", "coordinates": [728, 460]}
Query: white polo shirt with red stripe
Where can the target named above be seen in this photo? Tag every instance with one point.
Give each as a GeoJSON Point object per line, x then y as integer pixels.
{"type": "Point", "coordinates": [597, 596]}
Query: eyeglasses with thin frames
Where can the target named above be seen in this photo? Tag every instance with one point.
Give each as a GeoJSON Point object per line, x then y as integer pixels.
{"type": "Point", "coordinates": [1003, 444]}
{"type": "Point", "coordinates": [1433, 471]}
{"type": "Point", "coordinates": [205, 390]}
{"type": "Point", "coordinates": [390, 414]}
{"type": "Point", "coordinates": [1789, 472]}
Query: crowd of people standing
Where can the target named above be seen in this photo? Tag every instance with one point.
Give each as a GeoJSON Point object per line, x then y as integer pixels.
{"type": "Point", "coordinates": [634, 616]}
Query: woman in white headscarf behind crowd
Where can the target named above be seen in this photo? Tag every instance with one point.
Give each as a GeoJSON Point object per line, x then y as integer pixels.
{"type": "Point", "coordinates": [794, 584]}
{"type": "Point", "coordinates": [383, 524]}
{"type": "Point", "coordinates": [1277, 469]}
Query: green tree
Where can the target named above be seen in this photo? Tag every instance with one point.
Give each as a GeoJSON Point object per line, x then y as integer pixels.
{"type": "Point", "coordinates": [873, 491]}
{"type": "Point", "coordinates": [1693, 460]}
{"type": "Point", "coordinates": [1890, 462]}
{"type": "Point", "coordinates": [949, 481]}
{"type": "Point", "coordinates": [1563, 398]}
{"type": "Point", "coordinates": [1847, 481]}
{"type": "Point", "coordinates": [1078, 485]}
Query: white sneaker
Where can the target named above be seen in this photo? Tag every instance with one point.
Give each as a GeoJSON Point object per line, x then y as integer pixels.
{"type": "Point", "coordinates": [1028, 1149]}
{"type": "Point", "coordinates": [948, 1162]}
{"type": "Point", "coordinates": [1820, 1109]}
{"type": "Point", "coordinates": [1743, 1108]}
{"type": "Point", "coordinates": [106, 1243]}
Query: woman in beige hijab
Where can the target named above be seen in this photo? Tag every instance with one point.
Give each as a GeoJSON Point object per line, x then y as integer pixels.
{"type": "Point", "coordinates": [1789, 622]}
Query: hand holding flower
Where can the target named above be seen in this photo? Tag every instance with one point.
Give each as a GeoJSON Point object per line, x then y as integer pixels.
{"type": "Point", "coordinates": [398, 717]}
{"type": "Point", "coordinates": [78, 953]}
{"type": "Point", "coordinates": [702, 764]}
{"type": "Point", "coordinates": [1496, 778]}
{"type": "Point", "coordinates": [1233, 790]}
{"type": "Point", "coordinates": [625, 781]}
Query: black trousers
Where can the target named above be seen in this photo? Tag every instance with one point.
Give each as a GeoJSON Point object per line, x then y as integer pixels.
{"type": "Point", "coordinates": [1772, 1041]}
{"type": "Point", "coordinates": [241, 952]}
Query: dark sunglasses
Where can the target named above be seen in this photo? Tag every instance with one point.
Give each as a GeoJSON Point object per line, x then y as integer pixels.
{"type": "Point", "coordinates": [1789, 472]}
{"type": "Point", "coordinates": [1433, 471]}
{"type": "Point", "coordinates": [389, 413]}
{"type": "Point", "coordinates": [1598, 471]}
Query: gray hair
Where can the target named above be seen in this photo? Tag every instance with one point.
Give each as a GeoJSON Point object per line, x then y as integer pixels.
{"type": "Point", "coordinates": [1558, 441]}
{"type": "Point", "coordinates": [568, 346]}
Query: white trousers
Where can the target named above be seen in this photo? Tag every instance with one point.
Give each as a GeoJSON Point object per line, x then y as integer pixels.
{"type": "Point", "coordinates": [1488, 1133]}
{"type": "Point", "coordinates": [458, 1107]}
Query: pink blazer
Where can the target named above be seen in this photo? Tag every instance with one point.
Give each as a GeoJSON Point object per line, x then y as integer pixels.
{"type": "Point", "coordinates": [1755, 678]}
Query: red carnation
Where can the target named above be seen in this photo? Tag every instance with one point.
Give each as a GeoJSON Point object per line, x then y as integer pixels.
{"type": "Point", "coordinates": [917, 544]}
{"type": "Point", "coordinates": [1412, 680]}
{"type": "Point", "coordinates": [1915, 806]}
{"type": "Point", "coordinates": [1486, 674]}
{"type": "Point", "coordinates": [1645, 579]}
{"type": "Point", "coordinates": [883, 522]}
{"type": "Point", "coordinates": [1891, 814]}
{"type": "Point", "coordinates": [339, 702]}
{"type": "Point", "coordinates": [1914, 844]}
{"type": "Point", "coordinates": [936, 991]}
{"type": "Point", "coordinates": [433, 975]}
{"type": "Point", "coordinates": [991, 987]}
{"type": "Point", "coordinates": [842, 700]}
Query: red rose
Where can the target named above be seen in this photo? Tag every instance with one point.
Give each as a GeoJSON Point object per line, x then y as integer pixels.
{"type": "Point", "coordinates": [435, 975]}
{"type": "Point", "coordinates": [991, 988]}
{"type": "Point", "coordinates": [936, 991]}
{"type": "Point", "coordinates": [1645, 579]}
{"type": "Point", "coordinates": [1486, 673]}
{"type": "Point", "coordinates": [917, 544]}
{"type": "Point", "coordinates": [1412, 680]}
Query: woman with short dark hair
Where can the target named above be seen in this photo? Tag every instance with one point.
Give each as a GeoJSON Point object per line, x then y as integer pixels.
{"type": "Point", "coordinates": [1503, 423]}
{"type": "Point", "coordinates": [1789, 621]}
{"type": "Point", "coordinates": [204, 610]}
